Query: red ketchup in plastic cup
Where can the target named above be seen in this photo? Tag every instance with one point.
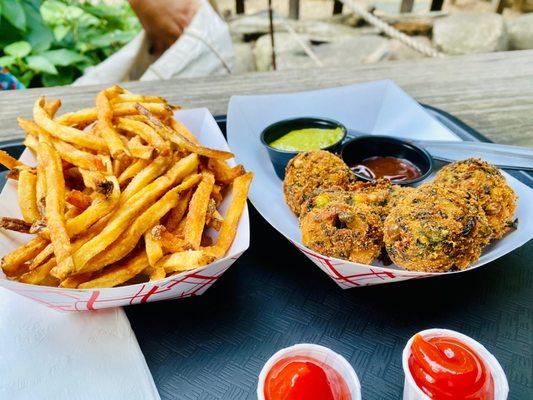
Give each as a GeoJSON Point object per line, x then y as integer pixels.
{"type": "Point", "coordinates": [441, 364]}
{"type": "Point", "coordinates": [301, 378]}
{"type": "Point", "coordinates": [445, 368]}
{"type": "Point", "coordinates": [308, 371]}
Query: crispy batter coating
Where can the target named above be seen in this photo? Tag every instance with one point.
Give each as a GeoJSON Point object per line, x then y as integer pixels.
{"type": "Point", "coordinates": [310, 171]}
{"type": "Point", "coordinates": [335, 227]}
{"type": "Point", "coordinates": [436, 229]}
{"type": "Point", "coordinates": [486, 182]}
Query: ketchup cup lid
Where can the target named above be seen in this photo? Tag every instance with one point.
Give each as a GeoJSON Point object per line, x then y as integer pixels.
{"type": "Point", "coordinates": [413, 392]}
{"type": "Point", "coordinates": [321, 354]}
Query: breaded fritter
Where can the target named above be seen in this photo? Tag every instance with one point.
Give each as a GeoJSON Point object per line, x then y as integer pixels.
{"type": "Point", "coordinates": [310, 171]}
{"type": "Point", "coordinates": [436, 229]}
{"type": "Point", "coordinates": [486, 182]}
{"type": "Point", "coordinates": [338, 229]}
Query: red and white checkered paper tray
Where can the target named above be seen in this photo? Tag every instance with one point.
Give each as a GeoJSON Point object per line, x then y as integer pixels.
{"type": "Point", "coordinates": [377, 108]}
{"type": "Point", "coordinates": [186, 284]}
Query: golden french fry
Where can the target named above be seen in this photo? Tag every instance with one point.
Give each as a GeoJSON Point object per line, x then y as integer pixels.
{"type": "Point", "coordinates": [9, 162]}
{"type": "Point", "coordinates": [180, 140]}
{"type": "Point", "coordinates": [139, 150]}
{"type": "Point", "coordinates": [184, 261]}
{"type": "Point", "coordinates": [156, 274]}
{"type": "Point", "coordinates": [119, 273]}
{"type": "Point", "coordinates": [27, 196]}
{"type": "Point", "coordinates": [37, 275]}
{"type": "Point", "coordinates": [183, 131]}
{"type": "Point", "coordinates": [146, 132]}
{"type": "Point", "coordinates": [51, 107]}
{"type": "Point", "coordinates": [19, 256]}
{"type": "Point", "coordinates": [73, 281]}
{"type": "Point", "coordinates": [177, 213]}
{"type": "Point", "coordinates": [66, 133]}
{"type": "Point", "coordinates": [44, 255]}
{"type": "Point", "coordinates": [223, 172]}
{"type": "Point", "coordinates": [106, 127]}
{"type": "Point", "coordinates": [55, 206]}
{"type": "Point", "coordinates": [15, 224]}
{"type": "Point", "coordinates": [91, 179]}
{"type": "Point", "coordinates": [78, 199]}
{"type": "Point", "coordinates": [195, 219]}
{"type": "Point", "coordinates": [31, 142]}
{"type": "Point", "coordinates": [135, 98]}
{"type": "Point", "coordinates": [84, 116]}
{"type": "Point", "coordinates": [145, 176]}
{"type": "Point", "coordinates": [132, 170]}
{"type": "Point", "coordinates": [66, 151]}
{"type": "Point", "coordinates": [132, 234]}
{"type": "Point", "coordinates": [228, 228]}
{"type": "Point", "coordinates": [154, 251]}
{"type": "Point", "coordinates": [171, 242]}
{"type": "Point", "coordinates": [215, 221]}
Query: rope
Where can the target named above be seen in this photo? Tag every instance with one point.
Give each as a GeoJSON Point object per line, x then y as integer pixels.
{"type": "Point", "coordinates": [391, 31]}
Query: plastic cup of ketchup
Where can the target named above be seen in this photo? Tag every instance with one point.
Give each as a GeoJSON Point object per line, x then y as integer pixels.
{"type": "Point", "coordinates": [441, 364]}
{"type": "Point", "coordinates": [308, 371]}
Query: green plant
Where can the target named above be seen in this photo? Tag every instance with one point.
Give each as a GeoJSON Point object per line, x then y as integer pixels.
{"type": "Point", "coordinates": [51, 42]}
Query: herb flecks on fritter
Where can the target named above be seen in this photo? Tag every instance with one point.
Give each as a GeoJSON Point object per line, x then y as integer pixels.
{"type": "Point", "coordinates": [338, 228]}
{"type": "Point", "coordinates": [488, 184]}
{"type": "Point", "coordinates": [436, 229]}
{"type": "Point", "coordinates": [310, 171]}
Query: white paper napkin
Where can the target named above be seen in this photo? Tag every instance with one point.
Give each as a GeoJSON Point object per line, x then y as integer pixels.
{"type": "Point", "coordinates": [47, 354]}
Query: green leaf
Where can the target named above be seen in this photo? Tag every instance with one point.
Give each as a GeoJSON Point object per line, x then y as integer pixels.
{"type": "Point", "coordinates": [18, 49]}
{"type": "Point", "coordinates": [7, 61]}
{"type": "Point", "coordinates": [41, 64]}
{"type": "Point", "coordinates": [63, 57]}
{"type": "Point", "coordinates": [60, 31]}
{"type": "Point", "coordinates": [39, 35]}
{"type": "Point", "coordinates": [26, 78]}
{"type": "Point", "coordinates": [53, 12]}
{"type": "Point", "coordinates": [64, 77]}
{"type": "Point", "coordinates": [8, 33]}
{"type": "Point", "coordinates": [12, 11]}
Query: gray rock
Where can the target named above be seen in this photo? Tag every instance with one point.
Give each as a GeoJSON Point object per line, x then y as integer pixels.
{"type": "Point", "coordinates": [520, 32]}
{"type": "Point", "coordinates": [465, 33]}
{"type": "Point", "coordinates": [318, 31]}
{"type": "Point", "coordinates": [244, 58]}
{"type": "Point", "coordinates": [357, 50]}
{"type": "Point", "coordinates": [254, 25]}
{"type": "Point", "coordinates": [399, 51]}
{"type": "Point", "coordinates": [286, 46]}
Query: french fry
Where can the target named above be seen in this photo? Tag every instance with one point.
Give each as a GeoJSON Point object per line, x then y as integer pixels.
{"type": "Point", "coordinates": [146, 132]}
{"type": "Point", "coordinates": [66, 133]}
{"type": "Point", "coordinates": [154, 251]}
{"type": "Point", "coordinates": [66, 151]}
{"type": "Point", "coordinates": [195, 219]}
{"type": "Point", "coordinates": [132, 170]}
{"type": "Point", "coordinates": [139, 150]}
{"type": "Point", "coordinates": [131, 236]}
{"type": "Point", "coordinates": [31, 142]}
{"type": "Point", "coordinates": [145, 176]}
{"type": "Point", "coordinates": [228, 228]}
{"type": "Point", "coordinates": [91, 179]}
{"type": "Point", "coordinates": [82, 117]}
{"type": "Point", "coordinates": [119, 273]}
{"type": "Point", "coordinates": [27, 196]}
{"type": "Point", "coordinates": [172, 243]}
{"type": "Point", "coordinates": [72, 282]}
{"type": "Point", "coordinates": [224, 173]}
{"type": "Point", "coordinates": [78, 199]}
{"type": "Point", "coordinates": [51, 107]}
{"type": "Point", "coordinates": [106, 127]}
{"type": "Point", "coordinates": [181, 129]}
{"type": "Point", "coordinates": [15, 224]}
{"type": "Point", "coordinates": [156, 274]}
{"type": "Point", "coordinates": [177, 213]}
{"type": "Point", "coordinates": [55, 206]}
{"type": "Point", "coordinates": [44, 255]}
{"type": "Point", "coordinates": [19, 256]}
{"type": "Point", "coordinates": [180, 140]}
{"type": "Point", "coordinates": [9, 162]}
{"type": "Point", "coordinates": [135, 98]}
{"type": "Point", "coordinates": [37, 275]}
{"type": "Point", "coordinates": [184, 261]}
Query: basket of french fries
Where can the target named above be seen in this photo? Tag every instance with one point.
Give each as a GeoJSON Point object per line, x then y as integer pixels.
{"type": "Point", "coordinates": [120, 204]}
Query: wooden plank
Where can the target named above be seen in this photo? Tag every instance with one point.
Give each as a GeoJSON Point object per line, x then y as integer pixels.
{"type": "Point", "coordinates": [491, 92]}
{"type": "Point", "coordinates": [294, 9]}
{"type": "Point", "coordinates": [406, 6]}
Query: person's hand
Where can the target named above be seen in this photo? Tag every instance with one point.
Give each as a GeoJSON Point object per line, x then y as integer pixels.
{"type": "Point", "coordinates": [163, 20]}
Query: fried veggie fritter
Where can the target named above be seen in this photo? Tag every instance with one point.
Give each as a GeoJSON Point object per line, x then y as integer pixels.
{"type": "Point", "coordinates": [336, 228]}
{"type": "Point", "coordinates": [310, 171]}
{"type": "Point", "coordinates": [487, 183]}
{"type": "Point", "coordinates": [436, 229]}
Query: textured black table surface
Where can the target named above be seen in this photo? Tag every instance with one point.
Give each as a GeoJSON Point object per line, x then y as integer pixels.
{"type": "Point", "coordinates": [213, 346]}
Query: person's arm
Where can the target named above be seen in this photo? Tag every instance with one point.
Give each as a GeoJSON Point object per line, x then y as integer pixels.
{"type": "Point", "coordinates": [163, 20]}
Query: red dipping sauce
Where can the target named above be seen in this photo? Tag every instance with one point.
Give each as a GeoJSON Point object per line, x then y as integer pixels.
{"type": "Point", "coordinates": [304, 378]}
{"type": "Point", "coordinates": [392, 168]}
{"type": "Point", "coordinates": [445, 368]}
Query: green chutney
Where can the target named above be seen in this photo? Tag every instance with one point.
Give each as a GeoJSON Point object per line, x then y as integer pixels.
{"type": "Point", "coordinates": [308, 139]}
